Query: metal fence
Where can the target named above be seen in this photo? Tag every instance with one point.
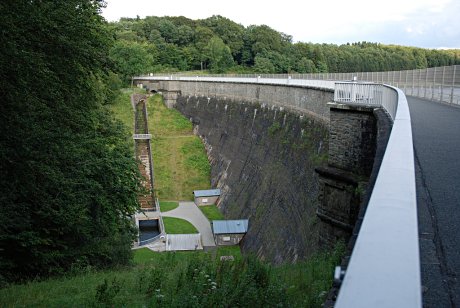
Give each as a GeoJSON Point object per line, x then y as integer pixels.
{"type": "Point", "coordinates": [436, 83]}
{"type": "Point", "coordinates": [367, 93]}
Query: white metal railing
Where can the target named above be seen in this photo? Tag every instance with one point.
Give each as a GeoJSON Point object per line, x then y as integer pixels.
{"type": "Point", "coordinates": [150, 240]}
{"type": "Point", "coordinates": [142, 136]}
{"type": "Point", "coordinates": [384, 269]}
{"type": "Point", "coordinates": [367, 93]}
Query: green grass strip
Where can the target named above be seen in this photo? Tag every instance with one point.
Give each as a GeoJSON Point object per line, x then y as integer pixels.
{"type": "Point", "coordinates": [178, 226]}
{"type": "Point", "coordinates": [211, 212]}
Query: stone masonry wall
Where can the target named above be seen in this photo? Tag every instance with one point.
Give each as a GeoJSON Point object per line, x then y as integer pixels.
{"type": "Point", "coordinates": [352, 135]}
{"type": "Point", "coordinates": [263, 158]}
{"type": "Point", "coordinates": [300, 99]}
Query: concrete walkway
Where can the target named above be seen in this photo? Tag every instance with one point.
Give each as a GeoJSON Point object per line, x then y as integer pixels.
{"type": "Point", "coordinates": [190, 212]}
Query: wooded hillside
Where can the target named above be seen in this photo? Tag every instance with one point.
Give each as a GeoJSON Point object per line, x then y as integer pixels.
{"type": "Point", "coordinates": [68, 180]}
{"type": "Point", "coordinates": [160, 44]}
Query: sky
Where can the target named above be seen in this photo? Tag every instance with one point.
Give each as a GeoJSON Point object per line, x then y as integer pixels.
{"type": "Point", "coordinates": [420, 23]}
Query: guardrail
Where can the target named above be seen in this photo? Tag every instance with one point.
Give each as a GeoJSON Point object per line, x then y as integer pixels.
{"type": "Point", "coordinates": [325, 84]}
{"type": "Point", "coordinates": [367, 93]}
{"type": "Point", "coordinates": [435, 83]}
{"type": "Point", "coordinates": [384, 269]}
{"type": "Point", "coordinates": [150, 240]}
{"type": "Point", "coordinates": [142, 136]}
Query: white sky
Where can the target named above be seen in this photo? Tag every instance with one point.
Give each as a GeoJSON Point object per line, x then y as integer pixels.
{"type": "Point", "coordinates": [422, 23]}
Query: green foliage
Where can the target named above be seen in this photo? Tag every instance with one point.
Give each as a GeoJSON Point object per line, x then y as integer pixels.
{"type": "Point", "coordinates": [132, 58]}
{"type": "Point", "coordinates": [178, 226]}
{"type": "Point", "coordinates": [215, 43]}
{"type": "Point", "coordinates": [211, 212]}
{"type": "Point", "coordinates": [69, 182]}
{"type": "Point", "coordinates": [264, 66]}
{"type": "Point", "coordinates": [123, 111]}
{"type": "Point", "coordinates": [219, 55]}
{"type": "Point", "coordinates": [105, 292]}
{"type": "Point", "coordinates": [309, 281]}
{"type": "Point", "coordinates": [185, 279]}
{"type": "Point", "coordinates": [274, 128]}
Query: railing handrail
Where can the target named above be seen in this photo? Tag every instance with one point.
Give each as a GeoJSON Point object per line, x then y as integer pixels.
{"type": "Point", "coordinates": [434, 83]}
{"type": "Point", "coordinates": [323, 84]}
{"type": "Point", "coordinates": [150, 240]}
{"type": "Point", "coordinates": [142, 136]}
{"type": "Point", "coordinates": [384, 269]}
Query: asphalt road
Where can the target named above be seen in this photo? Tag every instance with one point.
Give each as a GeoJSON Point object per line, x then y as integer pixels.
{"type": "Point", "coordinates": [436, 135]}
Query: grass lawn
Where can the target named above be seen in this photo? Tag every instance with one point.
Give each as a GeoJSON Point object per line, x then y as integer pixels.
{"type": "Point", "coordinates": [178, 226]}
{"type": "Point", "coordinates": [168, 205]}
{"type": "Point", "coordinates": [211, 212]}
{"type": "Point", "coordinates": [180, 162]}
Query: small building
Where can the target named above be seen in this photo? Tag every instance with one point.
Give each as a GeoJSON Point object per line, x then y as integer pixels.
{"type": "Point", "coordinates": [229, 232]}
{"type": "Point", "coordinates": [206, 197]}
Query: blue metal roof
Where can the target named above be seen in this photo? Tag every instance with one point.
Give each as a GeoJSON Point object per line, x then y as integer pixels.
{"type": "Point", "coordinates": [230, 226]}
{"type": "Point", "coordinates": [207, 193]}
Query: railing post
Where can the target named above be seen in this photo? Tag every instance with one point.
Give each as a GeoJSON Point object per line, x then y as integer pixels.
{"type": "Point", "coordinates": [426, 81]}
{"type": "Point", "coordinates": [453, 85]}
{"type": "Point", "coordinates": [442, 83]}
{"type": "Point", "coordinates": [434, 84]}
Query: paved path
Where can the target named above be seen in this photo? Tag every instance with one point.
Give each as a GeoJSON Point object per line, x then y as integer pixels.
{"type": "Point", "coordinates": [436, 135]}
{"type": "Point", "coordinates": [189, 211]}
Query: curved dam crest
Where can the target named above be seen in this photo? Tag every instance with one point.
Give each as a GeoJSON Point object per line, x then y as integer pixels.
{"type": "Point", "coordinates": [263, 157]}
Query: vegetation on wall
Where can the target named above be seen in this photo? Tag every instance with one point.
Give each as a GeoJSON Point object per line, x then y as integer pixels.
{"type": "Point", "coordinates": [160, 44]}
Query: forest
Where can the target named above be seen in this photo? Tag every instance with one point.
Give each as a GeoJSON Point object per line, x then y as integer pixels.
{"type": "Point", "coordinates": [68, 178]}
{"type": "Point", "coordinates": [219, 45]}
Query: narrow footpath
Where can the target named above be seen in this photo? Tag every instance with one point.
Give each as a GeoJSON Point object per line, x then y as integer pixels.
{"type": "Point", "coordinates": [190, 212]}
{"type": "Point", "coordinates": [436, 135]}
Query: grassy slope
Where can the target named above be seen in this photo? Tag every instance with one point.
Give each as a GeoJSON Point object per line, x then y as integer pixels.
{"type": "Point", "coordinates": [181, 165]}
{"type": "Point", "coordinates": [123, 111]}
{"type": "Point", "coordinates": [180, 278]}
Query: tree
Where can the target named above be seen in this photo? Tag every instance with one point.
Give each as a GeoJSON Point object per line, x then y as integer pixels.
{"type": "Point", "coordinates": [69, 182]}
{"type": "Point", "coordinates": [132, 59]}
{"type": "Point", "coordinates": [305, 65]}
{"type": "Point", "coordinates": [230, 32]}
{"type": "Point", "coordinates": [263, 65]}
{"type": "Point", "coordinates": [219, 55]}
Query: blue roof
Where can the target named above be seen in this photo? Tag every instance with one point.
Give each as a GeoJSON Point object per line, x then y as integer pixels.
{"type": "Point", "coordinates": [230, 226]}
{"type": "Point", "coordinates": [206, 193]}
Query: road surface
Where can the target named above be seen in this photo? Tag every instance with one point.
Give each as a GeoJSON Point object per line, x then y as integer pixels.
{"type": "Point", "coordinates": [436, 135]}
